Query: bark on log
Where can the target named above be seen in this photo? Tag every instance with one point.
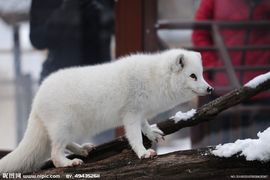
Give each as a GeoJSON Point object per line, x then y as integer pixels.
{"type": "Point", "coordinates": [188, 164]}
{"type": "Point", "coordinates": [203, 114]}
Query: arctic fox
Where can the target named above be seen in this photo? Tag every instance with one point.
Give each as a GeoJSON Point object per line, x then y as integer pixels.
{"type": "Point", "coordinates": [81, 101]}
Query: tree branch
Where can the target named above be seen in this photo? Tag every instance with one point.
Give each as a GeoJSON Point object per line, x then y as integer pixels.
{"type": "Point", "coordinates": [203, 114]}
{"type": "Point", "coordinates": [209, 111]}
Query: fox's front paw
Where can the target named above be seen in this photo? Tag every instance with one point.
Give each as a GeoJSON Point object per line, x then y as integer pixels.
{"type": "Point", "coordinates": [155, 134]}
{"type": "Point", "coordinates": [71, 163]}
{"type": "Point", "coordinates": [149, 153]}
{"type": "Point", "coordinates": [75, 162]}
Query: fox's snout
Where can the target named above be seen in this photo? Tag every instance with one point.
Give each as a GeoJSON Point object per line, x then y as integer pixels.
{"type": "Point", "coordinates": [209, 89]}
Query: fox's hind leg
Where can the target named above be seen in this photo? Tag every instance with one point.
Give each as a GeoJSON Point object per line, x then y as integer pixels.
{"type": "Point", "coordinates": [82, 150]}
{"type": "Point", "coordinates": [60, 138]}
{"type": "Point", "coordinates": [59, 159]}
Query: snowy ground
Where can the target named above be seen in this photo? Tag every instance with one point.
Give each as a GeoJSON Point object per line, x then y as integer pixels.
{"type": "Point", "coordinates": [174, 145]}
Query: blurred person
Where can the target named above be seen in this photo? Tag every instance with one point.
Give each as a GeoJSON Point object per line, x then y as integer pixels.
{"type": "Point", "coordinates": [75, 32]}
{"type": "Point", "coordinates": [225, 129]}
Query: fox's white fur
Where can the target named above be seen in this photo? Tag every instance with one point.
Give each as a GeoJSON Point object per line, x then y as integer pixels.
{"type": "Point", "coordinates": [79, 101]}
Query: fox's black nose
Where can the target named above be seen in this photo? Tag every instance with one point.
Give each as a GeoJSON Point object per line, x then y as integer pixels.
{"type": "Point", "coordinates": [210, 90]}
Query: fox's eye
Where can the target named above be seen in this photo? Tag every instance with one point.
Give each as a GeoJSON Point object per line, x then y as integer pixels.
{"type": "Point", "coordinates": [193, 76]}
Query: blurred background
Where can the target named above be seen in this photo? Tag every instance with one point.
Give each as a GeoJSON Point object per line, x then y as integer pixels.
{"type": "Point", "coordinates": [18, 60]}
{"type": "Point", "coordinates": [39, 37]}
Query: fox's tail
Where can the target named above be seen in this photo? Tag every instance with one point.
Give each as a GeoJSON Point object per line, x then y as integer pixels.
{"type": "Point", "coordinates": [32, 151]}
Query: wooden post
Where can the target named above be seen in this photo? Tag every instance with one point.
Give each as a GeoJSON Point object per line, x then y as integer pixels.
{"type": "Point", "coordinates": [149, 31]}
{"type": "Point", "coordinates": [129, 25]}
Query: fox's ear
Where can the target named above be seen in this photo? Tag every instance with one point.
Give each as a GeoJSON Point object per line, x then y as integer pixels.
{"type": "Point", "coordinates": [179, 63]}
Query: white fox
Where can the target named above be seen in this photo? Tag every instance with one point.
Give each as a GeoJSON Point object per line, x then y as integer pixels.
{"type": "Point", "coordinates": [82, 101]}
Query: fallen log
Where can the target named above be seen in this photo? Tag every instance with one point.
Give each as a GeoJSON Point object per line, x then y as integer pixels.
{"type": "Point", "coordinates": [189, 164]}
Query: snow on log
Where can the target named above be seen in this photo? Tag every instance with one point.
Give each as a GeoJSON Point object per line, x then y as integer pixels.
{"type": "Point", "coordinates": [181, 116]}
{"type": "Point", "coordinates": [252, 149]}
{"type": "Point", "coordinates": [258, 80]}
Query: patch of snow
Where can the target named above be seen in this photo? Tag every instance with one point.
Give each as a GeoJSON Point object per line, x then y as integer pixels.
{"type": "Point", "coordinates": [252, 149]}
{"type": "Point", "coordinates": [175, 145]}
{"type": "Point", "coordinates": [258, 80]}
{"type": "Point", "coordinates": [180, 116]}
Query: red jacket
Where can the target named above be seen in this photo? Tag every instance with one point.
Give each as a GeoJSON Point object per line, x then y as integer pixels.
{"type": "Point", "coordinates": [234, 10]}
